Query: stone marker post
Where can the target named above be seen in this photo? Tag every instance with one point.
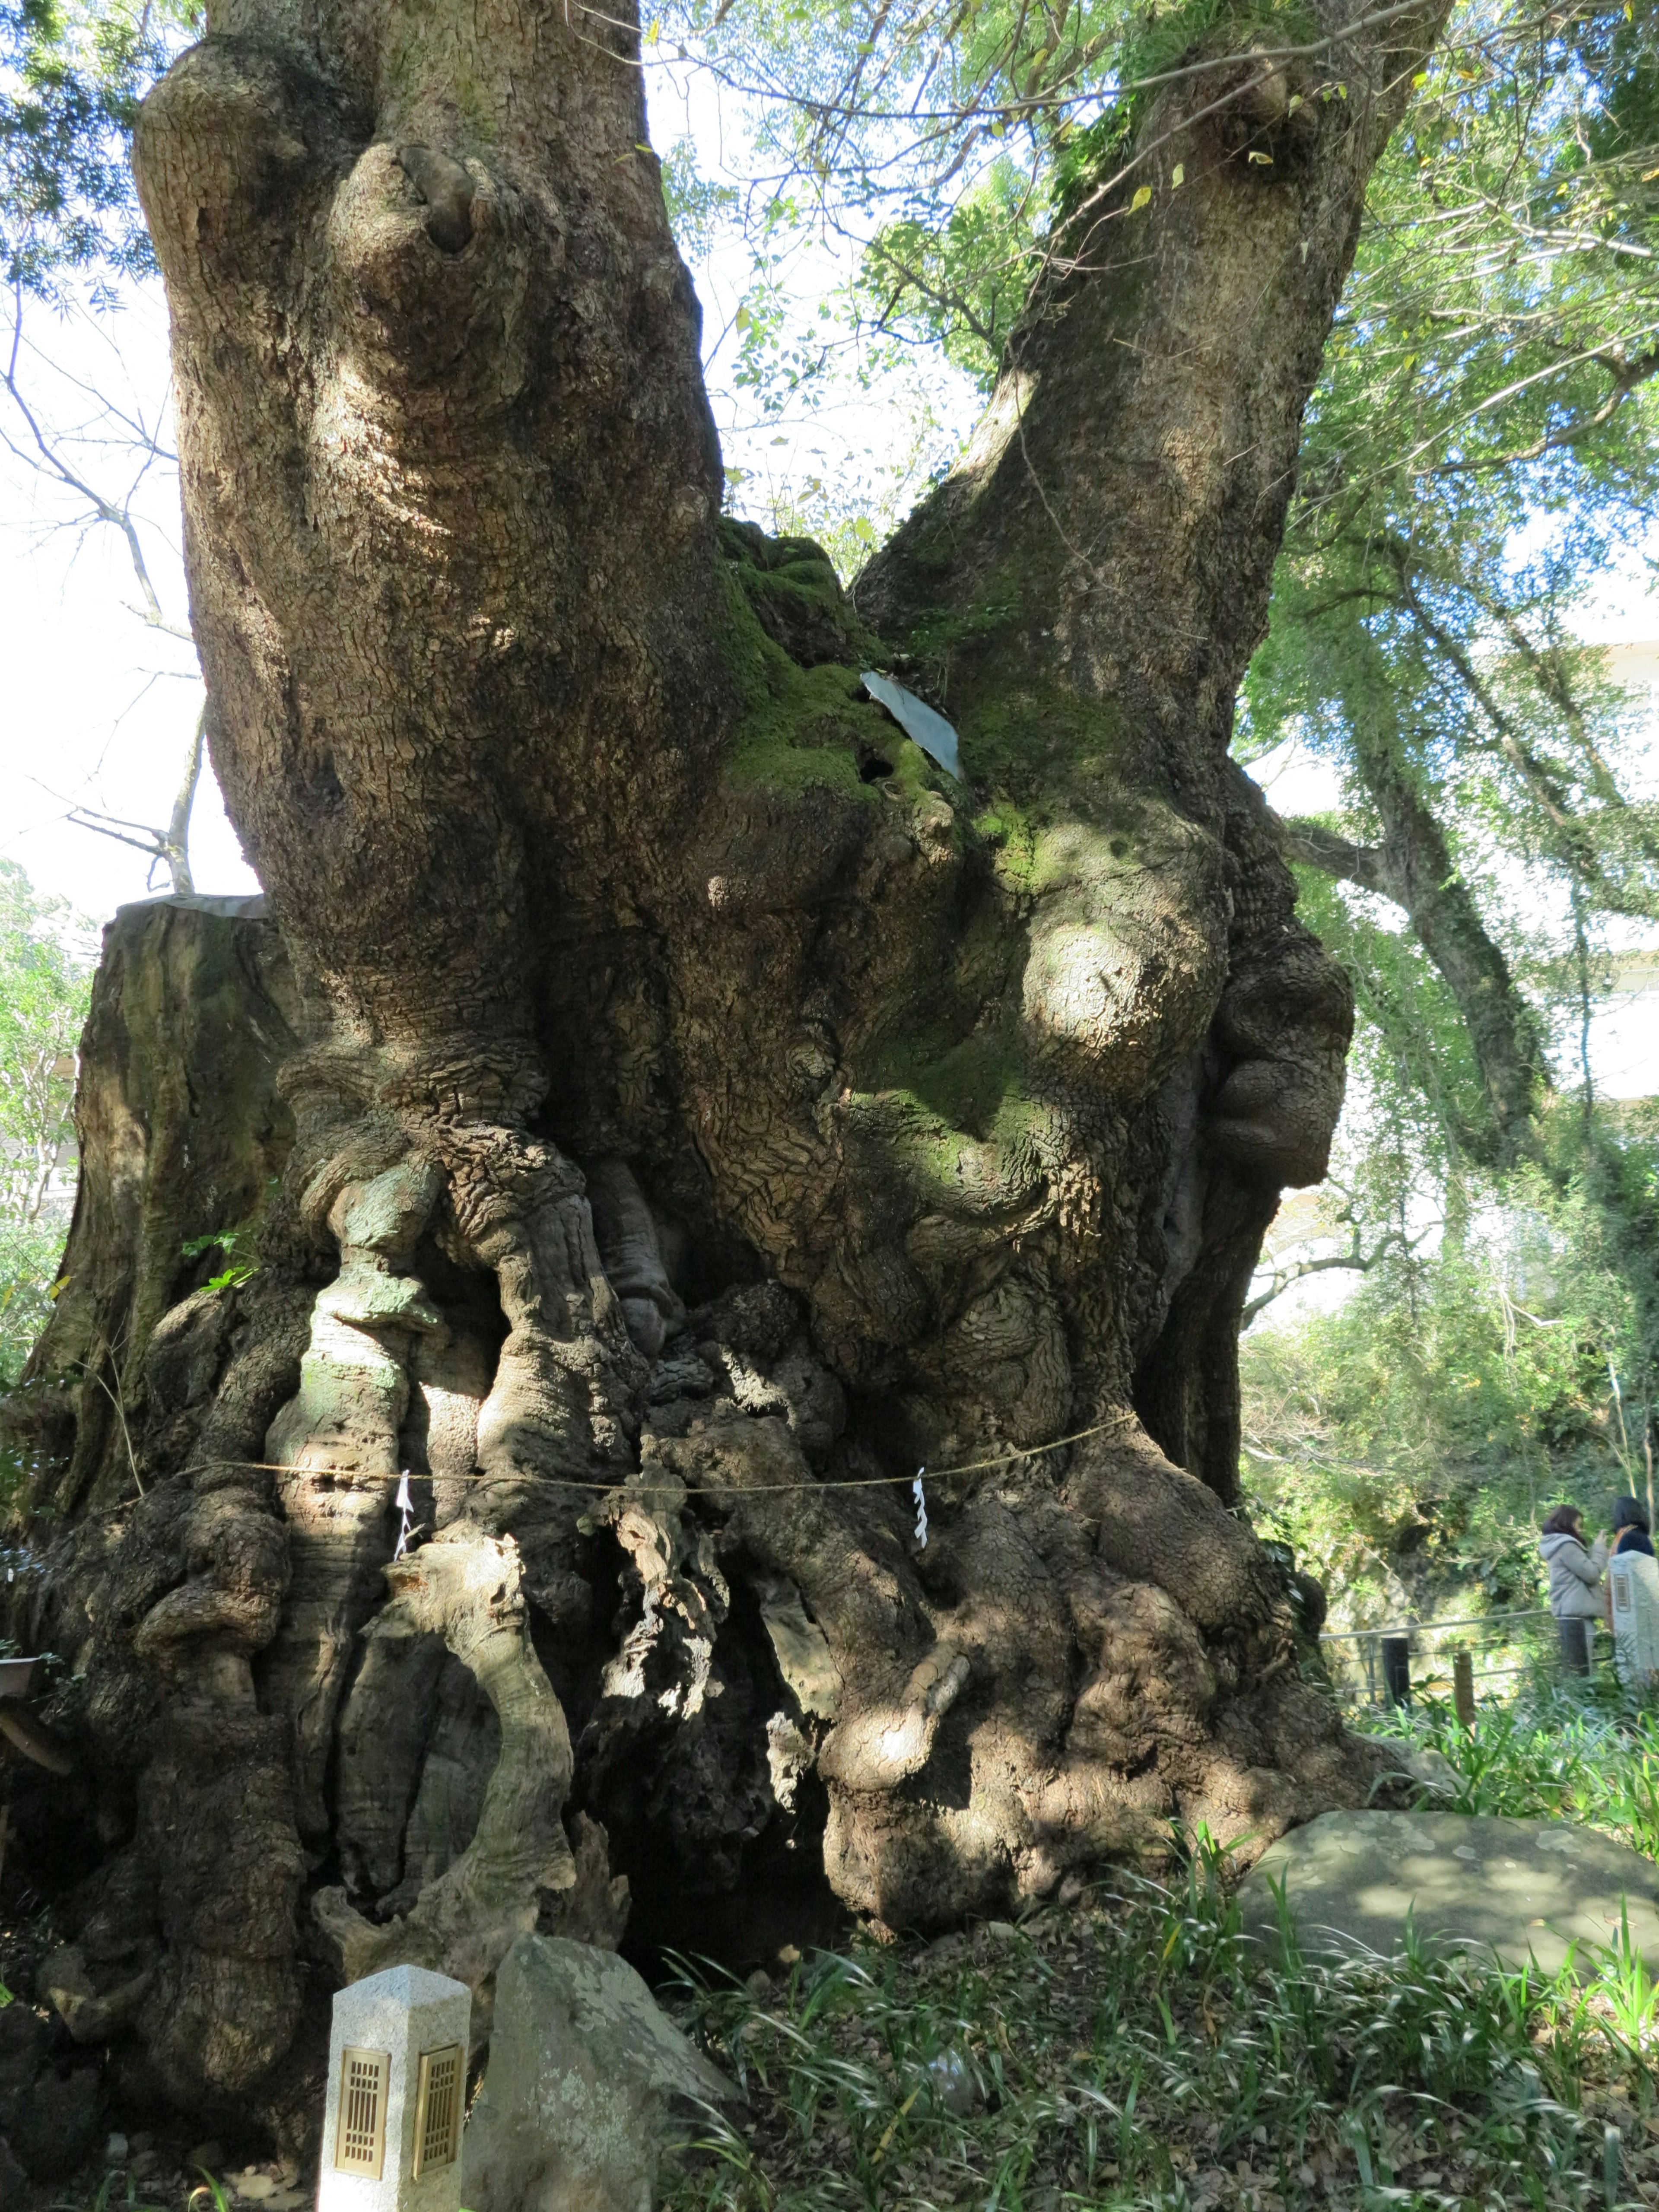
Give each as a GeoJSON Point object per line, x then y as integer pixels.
{"type": "Point", "coordinates": [1634, 1579]}
{"type": "Point", "coordinates": [396, 2092]}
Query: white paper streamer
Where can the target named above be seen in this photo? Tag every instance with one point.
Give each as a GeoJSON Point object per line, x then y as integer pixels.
{"type": "Point", "coordinates": [921, 1497]}
{"type": "Point", "coordinates": [406, 1508]}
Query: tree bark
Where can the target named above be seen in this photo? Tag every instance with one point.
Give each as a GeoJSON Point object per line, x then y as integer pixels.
{"type": "Point", "coordinates": [698, 1110]}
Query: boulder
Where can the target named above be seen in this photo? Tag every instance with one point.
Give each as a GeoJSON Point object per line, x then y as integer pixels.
{"type": "Point", "coordinates": [584, 2077]}
{"type": "Point", "coordinates": [1473, 1881]}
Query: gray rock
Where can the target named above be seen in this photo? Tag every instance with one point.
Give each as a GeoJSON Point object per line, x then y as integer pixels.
{"type": "Point", "coordinates": [1421, 1763]}
{"type": "Point", "coordinates": [585, 2074]}
{"type": "Point", "coordinates": [1473, 1881]}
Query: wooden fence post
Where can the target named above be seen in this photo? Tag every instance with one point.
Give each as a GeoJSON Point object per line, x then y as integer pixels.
{"type": "Point", "coordinates": [1463, 1687]}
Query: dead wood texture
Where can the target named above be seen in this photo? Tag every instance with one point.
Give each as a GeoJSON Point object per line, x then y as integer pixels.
{"type": "Point", "coordinates": [669, 1108]}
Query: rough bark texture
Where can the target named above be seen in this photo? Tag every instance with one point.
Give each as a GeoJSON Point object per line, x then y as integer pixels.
{"type": "Point", "coordinates": [689, 1110]}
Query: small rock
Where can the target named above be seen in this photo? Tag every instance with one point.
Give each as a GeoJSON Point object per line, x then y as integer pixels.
{"type": "Point", "coordinates": [1071, 1888]}
{"type": "Point", "coordinates": [1002, 1929]}
{"type": "Point", "coordinates": [253, 2188]}
{"type": "Point", "coordinates": [759, 1985]}
{"type": "Point", "coordinates": [584, 2069]}
{"type": "Point", "coordinates": [287, 2200]}
{"type": "Point", "coordinates": [209, 2153]}
{"type": "Point", "coordinates": [115, 2151]}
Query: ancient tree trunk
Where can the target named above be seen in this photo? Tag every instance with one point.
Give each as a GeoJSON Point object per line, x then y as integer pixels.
{"type": "Point", "coordinates": [688, 1109]}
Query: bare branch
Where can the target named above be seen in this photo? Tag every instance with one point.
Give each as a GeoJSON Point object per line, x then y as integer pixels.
{"type": "Point", "coordinates": [1356, 1259]}
{"type": "Point", "coordinates": [41, 453]}
{"type": "Point", "coordinates": [168, 847]}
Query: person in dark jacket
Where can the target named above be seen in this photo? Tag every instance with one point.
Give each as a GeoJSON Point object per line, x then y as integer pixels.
{"type": "Point", "coordinates": [1576, 1589]}
{"type": "Point", "coordinates": [1630, 1528]}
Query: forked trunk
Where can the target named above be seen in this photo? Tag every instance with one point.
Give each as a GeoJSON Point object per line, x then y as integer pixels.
{"type": "Point", "coordinates": [674, 1110]}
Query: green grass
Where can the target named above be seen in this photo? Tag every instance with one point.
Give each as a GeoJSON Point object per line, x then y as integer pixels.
{"type": "Point", "coordinates": [1133, 2050]}
{"type": "Point", "coordinates": [1560, 1752]}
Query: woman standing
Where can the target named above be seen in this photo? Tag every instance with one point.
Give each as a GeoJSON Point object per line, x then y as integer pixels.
{"type": "Point", "coordinates": [1575, 1583]}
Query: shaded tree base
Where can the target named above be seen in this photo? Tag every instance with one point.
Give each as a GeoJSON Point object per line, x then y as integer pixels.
{"type": "Point", "coordinates": [715, 1672]}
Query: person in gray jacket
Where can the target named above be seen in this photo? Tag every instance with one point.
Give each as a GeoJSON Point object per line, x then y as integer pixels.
{"type": "Point", "coordinates": [1576, 1598]}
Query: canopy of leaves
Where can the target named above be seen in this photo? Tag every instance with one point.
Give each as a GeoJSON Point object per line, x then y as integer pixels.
{"type": "Point", "coordinates": [1479, 451]}
{"type": "Point", "coordinates": [935, 147]}
{"type": "Point", "coordinates": [72, 73]}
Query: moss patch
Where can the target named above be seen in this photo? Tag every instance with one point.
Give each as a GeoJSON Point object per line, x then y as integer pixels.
{"type": "Point", "coordinates": [1042, 747]}
{"type": "Point", "coordinates": [804, 728]}
{"type": "Point", "coordinates": [965, 1082]}
{"type": "Point", "coordinates": [796, 595]}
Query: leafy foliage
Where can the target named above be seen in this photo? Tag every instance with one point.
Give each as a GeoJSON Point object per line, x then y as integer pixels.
{"type": "Point", "coordinates": [45, 989]}
{"type": "Point", "coordinates": [72, 73]}
{"type": "Point", "coordinates": [1416, 1434]}
{"type": "Point", "coordinates": [1583, 1753]}
{"type": "Point", "coordinates": [1478, 454]}
{"type": "Point", "coordinates": [29, 1253]}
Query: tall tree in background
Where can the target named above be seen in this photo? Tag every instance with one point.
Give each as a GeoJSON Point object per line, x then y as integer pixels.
{"type": "Point", "coordinates": [1478, 451]}
{"type": "Point", "coordinates": [1477, 458]}
{"type": "Point", "coordinates": [625, 958]}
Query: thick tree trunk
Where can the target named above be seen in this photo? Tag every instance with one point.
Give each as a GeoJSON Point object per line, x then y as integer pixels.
{"type": "Point", "coordinates": [696, 1111]}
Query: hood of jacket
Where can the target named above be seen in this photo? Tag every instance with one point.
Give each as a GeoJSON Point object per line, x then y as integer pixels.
{"type": "Point", "coordinates": [1549, 1546]}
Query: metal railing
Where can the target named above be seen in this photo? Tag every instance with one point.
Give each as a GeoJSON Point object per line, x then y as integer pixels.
{"type": "Point", "coordinates": [1381, 1672]}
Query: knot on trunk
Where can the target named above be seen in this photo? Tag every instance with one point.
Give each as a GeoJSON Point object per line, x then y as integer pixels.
{"type": "Point", "coordinates": [445, 189]}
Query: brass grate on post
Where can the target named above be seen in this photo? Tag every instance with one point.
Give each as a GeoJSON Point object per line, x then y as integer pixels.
{"type": "Point", "coordinates": [360, 2136]}
{"type": "Point", "coordinates": [438, 2107]}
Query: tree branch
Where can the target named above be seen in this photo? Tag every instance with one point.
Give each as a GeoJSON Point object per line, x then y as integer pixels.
{"type": "Point", "coordinates": [169, 846]}
{"type": "Point", "coordinates": [1357, 1259]}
